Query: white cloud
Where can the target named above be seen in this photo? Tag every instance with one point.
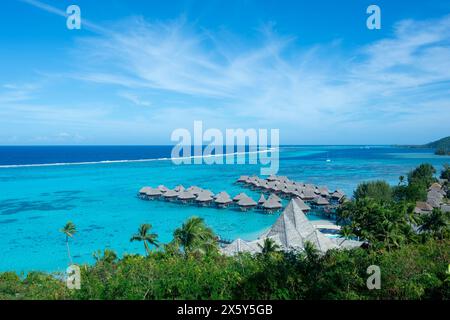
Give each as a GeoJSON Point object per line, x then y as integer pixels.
{"type": "Point", "coordinates": [134, 98]}
{"type": "Point", "coordinates": [319, 94]}
{"type": "Point", "coordinates": [277, 82]}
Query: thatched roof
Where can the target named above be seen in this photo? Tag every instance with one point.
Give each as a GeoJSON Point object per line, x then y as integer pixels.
{"type": "Point", "coordinates": [242, 178]}
{"type": "Point", "coordinates": [272, 204]}
{"type": "Point", "coordinates": [321, 201]}
{"type": "Point", "coordinates": [179, 188]}
{"type": "Point", "coordinates": [144, 190]}
{"type": "Point", "coordinates": [240, 196]}
{"type": "Point", "coordinates": [262, 199]}
{"type": "Point", "coordinates": [320, 241]}
{"type": "Point", "coordinates": [434, 202]}
{"type": "Point", "coordinates": [186, 195]}
{"type": "Point", "coordinates": [324, 191]}
{"type": "Point", "coordinates": [238, 246]}
{"type": "Point", "coordinates": [223, 198]}
{"type": "Point", "coordinates": [422, 207]}
{"type": "Point", "coordinates": [208, 192]}
{"type": "Point", "coordinates": [435, 186]}
{"type": "Point", "coordinates": [337, 195]}
{"type": "Point", "coordinates": [163, 188]}
{"type": "Point", "coordinates": [194, 190]}
{"type": "Point", "coordinates": [204, 197]}
{"type": "Point", "coordinates": [347, 243]}
{"type": "Point", "coordinates": [308, 193]}
{"type": "Point", "coordinates": [294, 229]}
{"type": "Point", "coordinates": [152, 192]}
{"type": "Point", "coordinates": [246, 202]}
{"type": "Point", "coordinates": [301, 204]}
{"type": "Point", "coordinates": [170, 194]}
{"type": "Point", "coordinates": [274, 197]}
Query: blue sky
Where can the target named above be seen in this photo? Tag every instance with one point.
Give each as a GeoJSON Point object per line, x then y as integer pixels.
{"type": "Point", "coordinates": [137, 70]}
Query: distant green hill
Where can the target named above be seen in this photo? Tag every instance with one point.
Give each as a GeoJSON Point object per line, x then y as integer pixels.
{"type": "Point", "coordinates": [441, 146]}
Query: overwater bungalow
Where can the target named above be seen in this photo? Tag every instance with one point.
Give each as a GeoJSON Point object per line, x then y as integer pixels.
{"type": "Point", "coordinates": [337, 195]}
{"type": "Point", "coordinates": [186, 196]}
{"type": "Point", "coordinates": [272, 178]}
{"type": "Point", "coordinates": [194, 190]}
{"type": "Point", "coordinates": [308, 194]}
{"type": "Point", "coordinates": [255, 184]}
{"type": "Point", "coordinates": [296, 194]}
{"type": "Point", "coordinates": [170, 195]}
{"type": "Point", "coordinates": [143, 192]}
{"type": "Point", "coordinates": [239, 196]}
{"type": "Point", "coordinates": [162, 188]}
{"type": "Point", "coordinates": [321, 201]}
{"type": "Point", "coordinates": [208, 192]}
{"type": "Point", "coordinates": [283, 179]}
{"type": "Point", "coordinates": [310, 186]}
{"type": "Point", "coordinates": [246, 203]}
{"type": "Point", "coordinates": [261, 200]}
{"type": "Point", "coordinates": [271, 205]}
{"type": "Point", "coordinates": [323, 191]}
{"type": "Point", "coordinates": [153, 193]}
{"type": "Point", "coordinates": [179, 188]}
{"type": "Point", "coordinates": [301, 204]}
{"type": "Point", "coordinates": [242, 179]}
{"type": "Point", "coordinates": [204, 199]}
{"type": "Point", "coordinates": [273, 196]}
{"type": "Point", "coordinates": [223, 200]}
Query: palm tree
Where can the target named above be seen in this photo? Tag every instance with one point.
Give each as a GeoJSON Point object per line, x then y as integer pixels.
{"type": "Point", "coordinates": [311, 251]}
{"type": "Point", "coordinates": [435, 223]}
{"type": "Point", "coordinates": [144, 235]}
{"type": "Point", "coordinates": [346, 232]}
{"type": "Point", "coordinates": [193, 235]}
{"type": "Point", "coordinates": [69, 230]}
{"type": "Point", "coordinates": [268, 246]}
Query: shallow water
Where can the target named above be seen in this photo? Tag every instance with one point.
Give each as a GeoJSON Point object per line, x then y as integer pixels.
{"type": "Point", "coordinates": [35, 202]}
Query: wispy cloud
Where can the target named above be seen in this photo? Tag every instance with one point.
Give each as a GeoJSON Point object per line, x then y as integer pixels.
{"type": "Point", "coordinates": [278, 82]}
{"type": "Point", "coordinates": [321, 93]}
{"type": "Point", "coordinates": [62, 13]}
{"type": "Point", "coordinates": [134, 98]}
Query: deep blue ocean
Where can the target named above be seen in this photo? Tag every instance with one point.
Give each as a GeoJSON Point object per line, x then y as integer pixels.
{"type": "Point", "coordinates": [41, 188]}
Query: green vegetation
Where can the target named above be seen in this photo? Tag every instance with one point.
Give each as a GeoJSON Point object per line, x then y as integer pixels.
{"type": "Point", "coordinates": [445, 174]}
{"type": "Point", "coordinates": [417, 185]}
{"type": "Point", "coordinates": [146, 237]}
{"type": "Point", "coordinates": [195, 236]}
{"type": "Point", "coordinates": [373, 189]}
{"type": "Point", "coordinates": [69, 231]}
{"type": "Point", "coordinates": [414, 264]}
{"type": "Point", "coordinates": [442, 146]}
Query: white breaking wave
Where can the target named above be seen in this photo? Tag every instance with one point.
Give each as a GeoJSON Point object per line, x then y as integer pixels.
{"type": "Point", "coordinates": [129, 161]}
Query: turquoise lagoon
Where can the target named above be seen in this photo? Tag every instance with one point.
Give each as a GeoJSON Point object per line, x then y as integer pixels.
{"type": "Point", "coordinates": [100, 198]}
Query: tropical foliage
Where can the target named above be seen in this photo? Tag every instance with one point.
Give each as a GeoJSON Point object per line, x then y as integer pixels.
{"type": "Point", "coordinates": [412, 251]}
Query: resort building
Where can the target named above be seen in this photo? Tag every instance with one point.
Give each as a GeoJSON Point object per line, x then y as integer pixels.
{"type": "Point", "coordinates": [291, 231]}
